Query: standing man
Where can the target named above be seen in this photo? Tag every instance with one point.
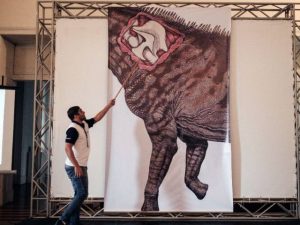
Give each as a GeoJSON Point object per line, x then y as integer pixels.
{"type": "Point", "coordinates": [77, 148]}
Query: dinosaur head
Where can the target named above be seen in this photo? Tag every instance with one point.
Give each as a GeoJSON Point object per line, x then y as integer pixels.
{"type": "Point", "coordinates": [148, 40]}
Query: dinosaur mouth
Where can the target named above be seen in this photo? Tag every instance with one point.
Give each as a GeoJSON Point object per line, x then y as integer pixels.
{"type": "Point", "coordinates": [148, 41]}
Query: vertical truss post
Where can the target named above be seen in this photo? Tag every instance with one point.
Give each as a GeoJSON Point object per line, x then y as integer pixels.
{"type": "Point", "coordinates": [296, 66]}
{"type": "Point", "coordinates": [43, 104]}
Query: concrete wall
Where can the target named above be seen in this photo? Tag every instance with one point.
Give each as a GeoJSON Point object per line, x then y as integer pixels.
{"type": "Point", "coordinates": [17, 62]}
{"type": "Point", "coordinates": [6, 60]}
{"type": "Point", "coordinates": [17, 16]}
{"type": "Point", "coordinates": [24, 64]}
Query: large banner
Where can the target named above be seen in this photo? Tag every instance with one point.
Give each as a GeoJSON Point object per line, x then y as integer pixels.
{"type": "Point", "coordinates": [172, 152]}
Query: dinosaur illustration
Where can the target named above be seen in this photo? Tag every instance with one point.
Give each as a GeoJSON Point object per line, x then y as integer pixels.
{"type": "Point", "coordinates": [176, 78]}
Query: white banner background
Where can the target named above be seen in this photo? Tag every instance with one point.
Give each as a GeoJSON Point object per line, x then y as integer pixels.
{"type": "Point", "coordinates": [80, 79]}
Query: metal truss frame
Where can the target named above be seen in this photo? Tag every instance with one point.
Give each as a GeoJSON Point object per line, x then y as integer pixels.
{"type": "Point", "coordinates": [42, 205]}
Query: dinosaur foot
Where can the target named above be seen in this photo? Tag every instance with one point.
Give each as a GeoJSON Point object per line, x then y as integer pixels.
{"type": "Point", "coordinates": [198, 188]}
{"type": "Point", "coordinates": [150, 203]}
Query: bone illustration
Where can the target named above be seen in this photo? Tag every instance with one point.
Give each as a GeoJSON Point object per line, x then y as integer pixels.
{"type": "Point", "coordinates": [150, 38]}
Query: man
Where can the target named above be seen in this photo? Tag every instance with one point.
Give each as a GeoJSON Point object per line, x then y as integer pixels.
{"type": "Point", "coordinates": [77, 148]}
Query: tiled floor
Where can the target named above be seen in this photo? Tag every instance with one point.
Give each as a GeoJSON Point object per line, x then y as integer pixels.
{"type": "Point", "coordinates": [19, 210]}
{"type": "Point", "coordinates": [182, 222]}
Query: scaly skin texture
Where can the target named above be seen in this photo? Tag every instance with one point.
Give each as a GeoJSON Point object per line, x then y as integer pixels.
{"type": "Point", "coordinates": [186, 96]}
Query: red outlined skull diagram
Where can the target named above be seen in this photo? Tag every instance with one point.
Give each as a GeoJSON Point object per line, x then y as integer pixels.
{"type": "Point", "coordinates": [148, 41]}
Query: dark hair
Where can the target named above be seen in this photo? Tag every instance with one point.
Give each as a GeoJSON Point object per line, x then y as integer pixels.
{"type": "Point", "coordinates": [73, 111]}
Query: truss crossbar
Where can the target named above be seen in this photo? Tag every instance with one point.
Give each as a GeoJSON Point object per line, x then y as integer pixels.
{"type": "Point", "coordinates": [42, 205]}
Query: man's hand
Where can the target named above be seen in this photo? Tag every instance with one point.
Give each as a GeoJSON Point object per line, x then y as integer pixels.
{"type": "Point", "coordinates": [78, 171]}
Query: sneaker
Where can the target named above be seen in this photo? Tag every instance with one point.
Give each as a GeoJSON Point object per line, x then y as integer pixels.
{"type": "Point", "coordinates": [60, 222]}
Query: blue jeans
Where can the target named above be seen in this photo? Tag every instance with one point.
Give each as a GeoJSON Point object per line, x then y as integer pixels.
{"type": "Point", "coordinates": [80, 185]}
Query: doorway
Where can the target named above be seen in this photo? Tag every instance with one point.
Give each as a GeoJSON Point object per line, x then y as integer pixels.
{"type": "Point", "coordinates": [22, 143]}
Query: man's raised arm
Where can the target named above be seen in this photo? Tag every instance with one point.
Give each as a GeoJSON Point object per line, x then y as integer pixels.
{"type": "Point", "coordinates": [102, 113]}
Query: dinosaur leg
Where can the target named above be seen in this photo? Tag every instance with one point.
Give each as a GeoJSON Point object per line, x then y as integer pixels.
{"type": "Point", "coordinates": [164, 148]}
{"type": "Point", "coordinates": [195, 155]}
